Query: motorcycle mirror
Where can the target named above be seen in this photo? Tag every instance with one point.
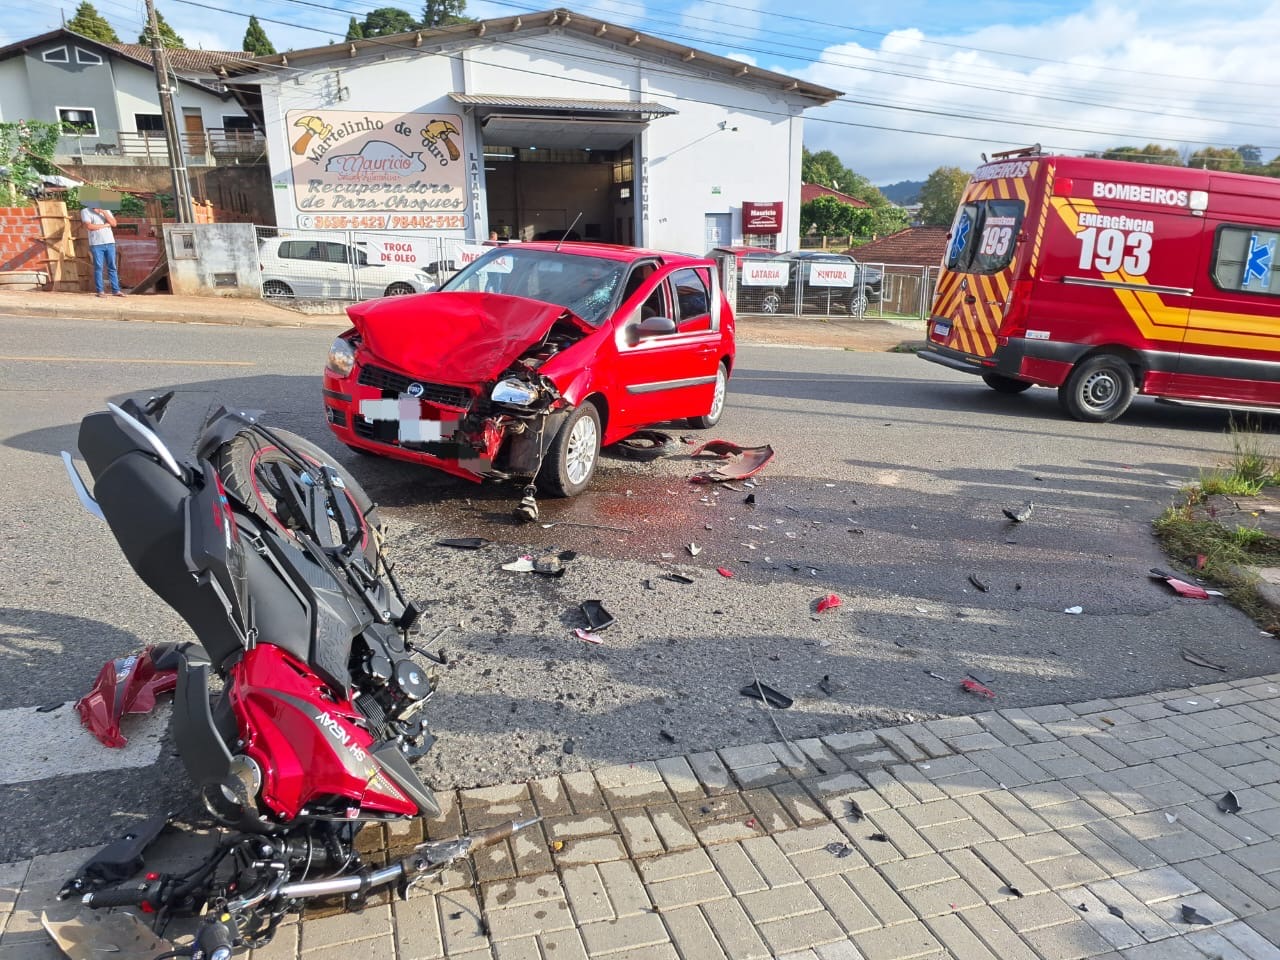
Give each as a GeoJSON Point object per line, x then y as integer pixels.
{"type": "Point", "coordinates": [144, 436]}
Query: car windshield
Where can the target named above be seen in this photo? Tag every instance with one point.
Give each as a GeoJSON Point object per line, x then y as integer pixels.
{"type": "Point", "coordinates": [585, 285]}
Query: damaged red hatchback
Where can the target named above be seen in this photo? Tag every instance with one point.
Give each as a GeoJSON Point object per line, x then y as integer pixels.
{"type": "Point", "coordinates": [530, 358]}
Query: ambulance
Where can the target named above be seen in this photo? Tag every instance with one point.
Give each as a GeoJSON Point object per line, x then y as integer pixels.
{"type": "Point", "coordinates": [1105, 278]}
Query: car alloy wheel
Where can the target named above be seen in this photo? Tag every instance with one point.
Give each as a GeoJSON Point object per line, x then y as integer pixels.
{"type": "Point", "coordinates": [580, 451]}
{"type": "Point", "coordinates": [277, 290]}
{"type": "Point", "coordinates": [771, 303]}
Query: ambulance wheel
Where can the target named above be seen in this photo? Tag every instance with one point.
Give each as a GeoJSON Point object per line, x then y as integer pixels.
{"type": "Point", "coordinates": [1098, 390]}
{"type": "Point", "coordinates": [1005, 384]}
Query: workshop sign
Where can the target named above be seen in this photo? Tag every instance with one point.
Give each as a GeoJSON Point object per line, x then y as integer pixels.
{"type": "Point", "coordinates": [357, 170]}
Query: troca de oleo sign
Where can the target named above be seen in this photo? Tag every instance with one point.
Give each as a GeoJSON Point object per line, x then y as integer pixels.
{"type": "Point", "coordinates": [377, 171]}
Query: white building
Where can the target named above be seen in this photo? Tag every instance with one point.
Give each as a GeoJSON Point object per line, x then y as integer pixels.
{"type": "Point", "coordinates": [531, 124]}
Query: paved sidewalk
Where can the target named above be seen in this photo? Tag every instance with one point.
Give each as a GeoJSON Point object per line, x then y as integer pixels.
{"type": "Point", "coordinates": [867, 334]}
{"type": "Point", "coordinates": [1049, 833]}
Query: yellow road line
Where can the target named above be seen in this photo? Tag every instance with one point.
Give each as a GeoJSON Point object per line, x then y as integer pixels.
{"type": "Point", "coordinates": [163, 363]}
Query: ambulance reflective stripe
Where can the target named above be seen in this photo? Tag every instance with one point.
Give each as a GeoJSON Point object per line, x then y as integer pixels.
{"type": "Point", "coordinates": [1157, 320]}
{"type": "Point", "coordinates": [1040, 227]}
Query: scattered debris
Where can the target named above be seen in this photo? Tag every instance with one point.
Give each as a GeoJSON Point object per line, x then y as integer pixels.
{"type": "Point", "coordinates": [829, 602]}
{"type": "Point", "coordinates": [981, 855]}
{"type": "Point", "coordinates": [50, 707]}
{"type": "Point", "coordinates": [855, 811]}
{"type": "Point", "coordinates": [526, 511]}
{"type": "Point", "coordinates": [668, 736]}
{"type": "Point", "coordinates": [520, 565]}
{"type": "Point", "coordinates": [750, 460]}
{"type": "Point", "coordinates": [586, 637]}
{"type": "Point", "coordinates": [677, 578]}
{"type": "Point", "coordinates": [828, 686]}
{"type": "Point", "coordinates": [762, 691]}
{"type": "Point", "coordinates": [839, 850]}
{"type": "Point", "coordinates": [1083, 907]}
{"type": "Point", "coordinates": [751, 822]}
{"type": "Point", "coordinates": [980, 689]}
{"type": "Point", "coordinates": [878, 838]}
{"type": "Point", "coordinates": [936, 676]}
{"type": "Point", "coordinates": [648, 584]}
{"type": "Point", "coordinates": [1180, 587]}
{"type": "Point", "coordinates": [1191, 915]}
{"type": "Point", "coordinates": [598, 618]}
{"type": "Point", "coordinates": [646, 445]}
{"type": "Point", "coordinates": [693, 549]}
{"type": "Point", "coordinates": [549, 565]}
{"type": "Point", "coordinates": [724, 571]}
{"type": "Point", "coordinates": [749, 499]}
{"type": "Point", "coordinates": [1229, 802]}
{"type": "Point", "coordinates": [556, 846]}
{"type": "Point", "coordinates": [585, 526]}
{"type": "Point", "coordinates": [464, 543]}
{"type": "Point", "coordinates": [980, 584]}
{"type": "Point", "coordinates": [1192, 657]}
{"type": "Point", "coordinates": [1022, 514]}
{"type": "Point", "coordinates": [1113, 910]}
{"type": "Point", "coordinates": [1171, 817]}
{"type": "Point", "coordinates": [922, 609]}
{"type": "Point", "coordinates": [1074, 610]}
{"type": "Point", "coordinates": [569, 746]}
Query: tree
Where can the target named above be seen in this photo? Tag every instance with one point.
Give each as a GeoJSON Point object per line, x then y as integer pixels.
{"type": "Point", "coordinates": [26, 152]}
{"type": "Point", "coordinates": [388, 20]}
{"type": "Point", "coordinates": [1151, 153]}
{"type": "Point", "coordinates": [1217, 158]}
{"type": "Point", "coordinates": [88, 22]}
{"type": "Point", "coordinates": [442, 13]}
{"type": "Point", "coordinates": [1252, 155]}
{"type": "Point", "coordinates": [256, 40]}
{"type": "Point", "coordinates": [168, 36]}
{"type": "Point", "coordinates": [827, 216]}
{"type": "Point", "coordinates": [940, 196]}
{"type": "Point", "coordinates": [354, 30]}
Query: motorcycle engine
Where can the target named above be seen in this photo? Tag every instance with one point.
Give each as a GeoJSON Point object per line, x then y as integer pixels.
{"type": "Point", "coordinates": [391, 687]}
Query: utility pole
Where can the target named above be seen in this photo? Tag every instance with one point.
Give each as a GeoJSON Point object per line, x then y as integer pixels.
{"type": "Point", "coordinates": [177, 158]}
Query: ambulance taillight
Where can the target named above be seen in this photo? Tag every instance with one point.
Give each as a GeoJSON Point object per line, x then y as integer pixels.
{"type": "Point", "coordinates": [1017, 309]}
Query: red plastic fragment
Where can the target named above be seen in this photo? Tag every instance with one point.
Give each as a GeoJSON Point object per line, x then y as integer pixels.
{"type": "Point", "coordinates": [829, 602]}
{"type": "Point", "coordinates": [124, 685]}
{"type": "Point", "coordinates": [749, 461]}
{"type": "Point", "coordinates": [586, 636]}
{"type": "Point", "coordinates": [724, 571]}
{"type": "Point", "coordinates": [973, 686]}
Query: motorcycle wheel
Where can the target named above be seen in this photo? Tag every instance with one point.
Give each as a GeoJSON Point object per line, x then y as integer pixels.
{"type": "Point", "coordinates": [243, 464]}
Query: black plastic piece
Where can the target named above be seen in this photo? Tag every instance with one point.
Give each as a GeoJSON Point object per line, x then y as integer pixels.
{"type": "Point", "coordinates": [762, 691]}
{"type": "Point", "coordinates": [396, 766]}
{"type": "Point", "coordinates": [117, 861]}
{"type": "Point", "coordinates": [598, 618]}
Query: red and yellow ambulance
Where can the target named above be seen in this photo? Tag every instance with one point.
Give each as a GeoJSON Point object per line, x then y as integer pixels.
{"type": "Point", "coordinates": [1103, 278]}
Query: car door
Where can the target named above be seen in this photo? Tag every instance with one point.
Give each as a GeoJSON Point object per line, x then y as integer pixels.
{"type": "Point", "coordinates": [665, 376]}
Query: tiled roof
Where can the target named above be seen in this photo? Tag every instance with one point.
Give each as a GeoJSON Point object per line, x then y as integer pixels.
{"type": "Point", "coordinates": [916, 246]}
{"type": "Point", "coordinates": [201, 62]}
{"type": "Point", "coordinates": [810, 191]}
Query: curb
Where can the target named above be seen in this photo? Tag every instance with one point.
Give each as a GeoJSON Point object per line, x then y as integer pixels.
{"type": "Point", "coordinates": [123, 314]}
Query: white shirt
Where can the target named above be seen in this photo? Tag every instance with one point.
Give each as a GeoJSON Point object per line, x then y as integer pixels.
{"type": "Point", "coordinates": [97, 237]}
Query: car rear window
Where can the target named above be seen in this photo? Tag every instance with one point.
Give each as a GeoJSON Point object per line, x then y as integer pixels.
{"type": "Point", "coordinates": [984, 236]}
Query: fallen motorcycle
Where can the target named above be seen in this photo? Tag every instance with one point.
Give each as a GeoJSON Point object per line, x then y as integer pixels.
{"type": "Point", "coordinates": [272, 554]}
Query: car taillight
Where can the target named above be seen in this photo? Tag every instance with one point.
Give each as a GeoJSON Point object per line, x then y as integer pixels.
{"type": "Point", "coordinates": [1017, 309]}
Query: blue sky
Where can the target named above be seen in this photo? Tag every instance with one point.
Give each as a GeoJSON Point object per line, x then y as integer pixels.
{"type": "Point", "coordinates": [926, 82]}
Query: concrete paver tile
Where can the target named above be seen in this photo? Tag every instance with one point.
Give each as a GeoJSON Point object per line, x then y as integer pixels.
{"type": "Point", "coordinates": [920, 735]}
{"type": "Point", "coordinates": [727, 831]}
{"type": "Point", "coordinates": [736, 868]}
{"type": "Point", "coordinates": [550, 798]}
{"type": "Point", "coordinates": [900, 833]}
{"type": "Point", "coordinates": [794, 933]}
{"type": "Point", "coordinates": [823, 863]}
{"type": "Point", "coordinates": [967, 784]}
{"type": "Point", "coordinates": [809, 838]}
{"type": "Point", "coordinates": [1016, 812]}
{"type": "Point", "coordinates": [381, 948]}
{"type": "Point", "coordinates": [713, 775]}
{"type": "Point", "coordinates": [526, 948]}
{"type": "Point", "coordinates": [1162, 883]}
{"type": "Point", "coordinates": [882, 899]}
{"type": "Point", "coordinates": [692, 934]}
{"type": "Point", "coordinates": [918, 871]}
{"type": "Point", "coordinates": [679, 777]}
{"type": "Point", "coordinates": [1124, 844]}
{"type": "Point", "coordinates": [1034, 912]}
{"type": "Point", "coordinates": [1136, 913]}
{"type": "Point", "coordinates": [628, 774]}
{"type": "Point", "coordinates": [980, 808]}
{"type": "Point", "coordinates": [804, 809]}
{"type": "Point", "coordinates": [673, 829]}
{"type": "Point", "coordinates": [1164, 950]}
{"type": "Point", "coordinates": [1068, 941]}
{"type": "Point", "coordinates": [975, 741]}
{"type": "Point", "coordinates": [853, 741]}
{"type": "Point", "coordinates": [839, 896]}
{"type": "Point", "coordinates": [918, 779]}
{"type": "Point", "coordinates": [622, 884]}
{"type": "Point", "coordinates": [840, 950]}
{"type": "Point", "coordinates": [771, 861]}
{"type": "Point", "coordinates": [955, 835]}
{"type": "Point", "coordinates": [1001, 728]}
{"type": "Point", "coordinates": [636, 794]}
{"type": "Point", "coordinates": [994, 763]}
{"type": "Point", "coordinates": [590, 850]}
{"type": "Point", "coordinates": [901, 744]}
{"type": "Point", "coordinates": [958, 938]}
{"type": "Point", "coordinates": [996, 934]}
{"type": "Point", "coordinates": [639, 833]}
{"type": "Point", "coordinates": [781, 902]}
{"type": "Point", "coordinates": [992, 870]}
{"type": "Point", "coordinates": [508, 923]}
{"type": "Point", "coordinates": [611, 936]}
{"type": "Point", "coordinates": [734, 930]}
{"type": "Point", "coordinates": [1255, 945]}
{"type": "Point", "coordinates": [1038, 795]}
{"type": "Point", "coordinates": [514, 893]}
{"type": "Point", "coordinates": [1110, 927]}
{"type": "Point", "coordinates": [1042, 846]}
{"type": "Point", "coordinates": [687, 891]}
{"type": "Point", "coordinates": [905, 941]}
{"type": "Point", "coordinates": [725, 807]}
{"type": "Point", "coordinates": [940, 898]}
{"type": "Point", "coordinates": [768, 810]}
{"type": "Point", "coordinates": [1211, 943]}
{"type": "Point", "coordinates": [1267, 924]}
{"type": "Point", "coordinates": [1262, 858]}
{"type": "Point", "coordinates": [1238, 890]}
{"type": "Point", "coordinates": [459, 923]}
{"type": "Point", "coordinates": [750, 755]}
{"type": "Point", "coordinates": [584, 793]}
{"type": "Point", "coordinates": [928, 814]}
{"type": "Point", "coordinates": [890, 790]}
{"type": "Point", "coordinates": [345, 927]}
{"type": "Point", "coordinates": [587, 896]}
{"type": "Point", "coordinates": [597, 823]}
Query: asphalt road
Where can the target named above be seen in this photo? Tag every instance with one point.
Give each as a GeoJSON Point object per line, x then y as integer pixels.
{"type": "Point", "coordinates": [886, 490]}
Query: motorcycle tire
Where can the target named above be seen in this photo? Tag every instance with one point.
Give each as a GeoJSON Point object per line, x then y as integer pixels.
{"type": "Point", "coordinates": [242, 463]}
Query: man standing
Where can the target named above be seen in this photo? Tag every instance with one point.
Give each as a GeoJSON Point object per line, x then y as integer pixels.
{"type": "Point", "coordinates": [102, 246]}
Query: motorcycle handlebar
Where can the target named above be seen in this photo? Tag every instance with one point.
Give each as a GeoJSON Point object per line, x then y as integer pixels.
{"type": "Point", "coordinates": [115, 897]}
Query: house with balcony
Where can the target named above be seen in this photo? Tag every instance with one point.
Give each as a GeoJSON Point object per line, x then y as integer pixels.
{"type": "Point", "coordinates": [105, 94]}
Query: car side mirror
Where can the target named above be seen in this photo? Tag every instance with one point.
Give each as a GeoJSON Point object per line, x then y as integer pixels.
{"type": "Point", "coordinates": [651, 327]}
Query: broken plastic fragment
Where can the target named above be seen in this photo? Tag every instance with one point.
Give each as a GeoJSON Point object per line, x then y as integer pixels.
{"type": "Point", "coordinates": [980, 584]}
{"type": "Point", "coordinates": [750, 460]}
{"type": "Point", "coordinates": [1229, 802]}
{"type": "Point", "coordinates": [1192, 657]}
{"type": "Point", "coordinates": [855, 811]}
{"type": "Point", "coordinates": [548, 565]}
{"type": "Point", "coordinates": [936, 676]}
{"type": "Point", "coordinates": [677, 578]}
{"type": "Point", "coordinates": [586, 637]}
{"type": "Point", "coordinates": [829, 602]}
{"type": "Point", "coordinates": [1074, 610]}
{"type": "Point", "coordinates": [598, 618]}
{"type": "Point", "coordinates": [828, 686]}
{"type": "Point", "coordinates": [1180, 587]}
{"type": "Point", "coordinates": [520, 565]}
{"type": "Point", "coordinates": [762, 691]}
{"type": "Point", "coordinates": [974, 687]}
{"type": "Point", "coordinates": [839, 850]}
{"type": "Point", "coordinates": [1022, 514]}
{"type": "Point", "coordinates": [464, 543]}
{"type": "Point", "coordinates": [693, 549]}
{"type": "Point", "coordinates": [878, 838]}
{"type": "Point", "coordinates": [724, 571]}
{"type": "Point", "coordinates": [1191, 915]}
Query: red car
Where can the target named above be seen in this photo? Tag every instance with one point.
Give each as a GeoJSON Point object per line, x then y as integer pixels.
{"type": "Point", "coordinates": [529, 359]}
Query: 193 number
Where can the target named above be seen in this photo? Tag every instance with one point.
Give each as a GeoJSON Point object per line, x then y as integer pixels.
{"type": "Point", "coordinates": [1110, 250]}
{"type": "Point", "coordinates": [995, 241]}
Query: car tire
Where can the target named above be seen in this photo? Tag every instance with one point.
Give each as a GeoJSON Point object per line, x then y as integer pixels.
{"type": "Point", "coordinates": [857, 304]}
{"type": "Point", "coordinates": [241, 464]}
{"type": "Point", "coordinates": [276, 290]}
{"type": "Point", "coordinates": [571, 459]}
{"type": "Point", "coordinates": [398, 289]}
{"type": "Point", "coordinates": [771, 302]}
{"type": "Point", "coordinates": [712, 417]}
{"type": "Point", "coordinates": [1001, 384]}
{"type": "Point", "coordinates": [1098, 390]}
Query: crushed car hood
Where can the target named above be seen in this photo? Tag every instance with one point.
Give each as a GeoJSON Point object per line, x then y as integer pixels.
{"type": "Point", "coordinates": [455, 337]}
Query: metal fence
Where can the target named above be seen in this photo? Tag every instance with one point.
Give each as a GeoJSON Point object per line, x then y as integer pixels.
{"type": "Point", "coordinates": [820, 289]}
{"type": "Point", "coordinates": [209, 147]}
{"type": "Point", "coordinates": [353, 265]}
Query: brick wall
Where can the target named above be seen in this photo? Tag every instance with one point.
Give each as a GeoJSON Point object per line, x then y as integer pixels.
{"type": "Point", "coordinates": [20, 245]}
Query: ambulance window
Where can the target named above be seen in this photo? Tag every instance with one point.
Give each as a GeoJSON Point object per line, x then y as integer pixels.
{"type": "Point", "coordinates": [960, 246]}
{"type": "Point", "coordinates": [1245, 260]}
{"type": "Point", "coordinates": [985, 236]}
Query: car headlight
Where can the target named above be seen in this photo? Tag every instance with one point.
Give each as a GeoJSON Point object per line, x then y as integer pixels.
{"type": "Point", "coordinates": [515, 392]}
{"type": "Point", "coordinates": [341, 358]}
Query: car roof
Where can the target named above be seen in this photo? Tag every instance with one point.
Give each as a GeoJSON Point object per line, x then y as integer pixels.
{"type": "Point", "coordinates": [607, 251]}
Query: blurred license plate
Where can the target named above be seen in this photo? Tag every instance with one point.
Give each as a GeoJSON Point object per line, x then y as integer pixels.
{"type": "Point", "coordinates": [942, 329]}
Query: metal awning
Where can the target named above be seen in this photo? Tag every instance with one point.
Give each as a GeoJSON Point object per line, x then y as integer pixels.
{"type": "Point", "coordinates": [556, 123]}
